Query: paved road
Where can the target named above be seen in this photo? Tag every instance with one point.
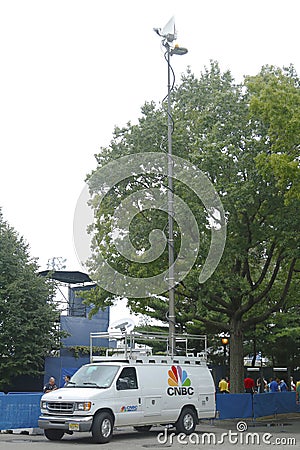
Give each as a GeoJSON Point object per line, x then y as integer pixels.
{"type": "Point", "coordinates": [283, 434]}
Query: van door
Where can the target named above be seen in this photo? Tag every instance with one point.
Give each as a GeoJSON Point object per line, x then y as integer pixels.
{"type": "Point", "coordinates": [128, 398]}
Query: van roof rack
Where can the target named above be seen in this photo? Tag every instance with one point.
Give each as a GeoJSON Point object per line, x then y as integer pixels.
{"type": "Point", "coordinates": [137, 346]}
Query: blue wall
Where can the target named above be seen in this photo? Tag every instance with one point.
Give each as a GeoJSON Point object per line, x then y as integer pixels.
{"type": "Point", "coordinates": [79, 329]}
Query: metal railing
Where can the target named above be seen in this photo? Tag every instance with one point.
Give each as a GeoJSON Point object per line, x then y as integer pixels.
{"type": "Point", "coordinates": [129, 345]}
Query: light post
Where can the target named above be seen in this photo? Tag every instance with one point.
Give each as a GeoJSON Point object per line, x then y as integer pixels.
{"type": "Point", "coordinates": [168, 34]}
{"type": "Point", "coordinates": [225, 342]}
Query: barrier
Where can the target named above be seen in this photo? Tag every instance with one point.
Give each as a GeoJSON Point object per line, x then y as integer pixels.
{"type": "Point", "coordinates": [232, 406]}
{"type": "Point", "coordinates": [272, 403]}
{"type": "Point", "coordinates": [19, 411]}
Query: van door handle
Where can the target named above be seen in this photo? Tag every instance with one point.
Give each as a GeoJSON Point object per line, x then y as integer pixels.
{"type": "Point", "coordinates": [139, 401]}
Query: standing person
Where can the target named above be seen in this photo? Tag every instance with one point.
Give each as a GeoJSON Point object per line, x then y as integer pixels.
{"type": "Point", "coordinates": [298, 392]}
{"type": "Point", "coordinates": [261, 385]}
{"type": "Point", "coordinates": [283, 386]}
{"type": "Point", "coordinates": [67, 378]}
{"type": "Point", "coordinates": [223, 386]}
{"type": "Point", "coordinates": [292, 383]}
{"type": "Point", "coordinates": [273, 385]}
{"type": "Point", "coordinates": [249, 385]}
{"type": "Point", "coordinates": [50, 386]}
{"type": "Point", "coordinates": [228, 383]}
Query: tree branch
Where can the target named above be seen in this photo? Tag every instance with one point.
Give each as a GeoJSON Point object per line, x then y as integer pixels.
{"type": "Point", "coordinates": [266, 266]}
{"type": "Point", "coordinates": [279, 304]}
{"type": "Point", "coordinates": [220, 301]}
{"type": "Point", "coordinates": [246, 271]}
{"type": "Point", "coordinates": [218, 325]}
{"type": "Point", "coordinates": [271, 282]}
{"type": "Point", "coordinates": [214, 308]}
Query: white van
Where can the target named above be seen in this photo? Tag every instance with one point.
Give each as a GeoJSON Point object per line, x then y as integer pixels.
{"type": "Point", "coordinates": [137, 391]}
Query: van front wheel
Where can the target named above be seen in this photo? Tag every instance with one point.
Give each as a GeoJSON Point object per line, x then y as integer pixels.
{"type": "Point", "coordinates": [186, 422]}
{"type": "Point", "coordinates": [102, 428]}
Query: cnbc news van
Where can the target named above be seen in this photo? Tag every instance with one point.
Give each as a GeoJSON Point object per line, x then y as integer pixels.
{"type": "Point", "coordinates": [131, 388]}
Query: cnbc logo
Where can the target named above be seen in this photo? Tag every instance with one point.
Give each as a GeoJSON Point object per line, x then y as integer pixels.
{"type": "Point", "coordinates": [179, 382]}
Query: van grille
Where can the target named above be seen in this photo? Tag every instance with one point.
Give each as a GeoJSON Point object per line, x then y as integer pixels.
{"type": "Point", "coordinates": [60, 407]}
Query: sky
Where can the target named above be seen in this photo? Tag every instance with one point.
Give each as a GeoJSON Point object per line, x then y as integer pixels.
{"type": "Point", "coordinates": [71, 70]}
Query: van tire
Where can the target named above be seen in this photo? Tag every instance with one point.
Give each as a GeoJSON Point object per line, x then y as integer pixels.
{"type": "Point", "coordinates": [54, 435]}
{"type": "Point", "coordinates": [102, 428]}
{"type": "Point", "coordinates": [186, 422]}
{"type": "Point", "coordinates": [143, 428]}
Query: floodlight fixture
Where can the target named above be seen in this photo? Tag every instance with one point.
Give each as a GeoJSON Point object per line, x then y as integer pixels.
{"type": "Point", "coordinates": [178, 50]}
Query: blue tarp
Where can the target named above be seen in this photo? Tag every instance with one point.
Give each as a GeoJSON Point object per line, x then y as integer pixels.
{"type": "Point", "coordinates": [19, 411]}
{"type": "Point", "coordinates": [273, 403]}
{"type": "Point", "coordinates": [79, 329]}
{"type": "Point", "coordinates": [232, 406]}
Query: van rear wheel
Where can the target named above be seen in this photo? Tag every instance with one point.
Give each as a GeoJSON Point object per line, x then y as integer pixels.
{"type": "Point", "coordinates": [102, 428]}
{"type": "Point", "coordinates": [143, 428]}
{"type": "Point", "coordinates": [54, 435]}
{"type": "Point", "coordinates": [186, 422]}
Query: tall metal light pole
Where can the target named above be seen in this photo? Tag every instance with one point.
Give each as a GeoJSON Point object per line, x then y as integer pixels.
{"type": "Point", "coordinates": [168, 33]}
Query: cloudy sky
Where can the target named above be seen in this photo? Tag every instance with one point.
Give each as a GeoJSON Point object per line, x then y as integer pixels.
{"type": "Point", "coordinates": [73, 69]}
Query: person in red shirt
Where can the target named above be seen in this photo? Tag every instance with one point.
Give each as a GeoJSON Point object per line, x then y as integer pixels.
{"type": "Point", "coordinates": [249, 385]}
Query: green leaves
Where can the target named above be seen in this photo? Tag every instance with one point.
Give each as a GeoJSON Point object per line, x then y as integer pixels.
{"type": "Point", "coordinates": [245, 138]}
{"type": "Point", "coordinates": [275, 113]}
{"type": "Point", "coordinates": [28, 318]}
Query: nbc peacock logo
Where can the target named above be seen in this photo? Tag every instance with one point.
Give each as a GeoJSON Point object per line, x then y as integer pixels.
{"type": "Point", "coordinates": [179, 382]}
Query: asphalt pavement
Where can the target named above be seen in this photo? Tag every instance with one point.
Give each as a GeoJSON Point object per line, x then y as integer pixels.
{"type": "Point", "coordinates": [281, 432]}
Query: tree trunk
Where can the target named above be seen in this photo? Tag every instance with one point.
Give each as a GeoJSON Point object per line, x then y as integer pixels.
{"type": "Point", "coordinates": [236, 358]}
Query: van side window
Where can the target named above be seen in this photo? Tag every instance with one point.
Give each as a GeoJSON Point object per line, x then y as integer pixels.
{"type": "Point", "coordinates": [127, 379]}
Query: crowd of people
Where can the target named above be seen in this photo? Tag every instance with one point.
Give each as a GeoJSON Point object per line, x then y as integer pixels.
{"type": "Point", "coordinates": [262, 385]}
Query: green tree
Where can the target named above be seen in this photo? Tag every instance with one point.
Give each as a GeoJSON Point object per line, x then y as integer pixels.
{"type": "Point", "coordinates": [215, 131]}
{"type": "Point", "coordinates": [274, 109]}
{"type": "Point", "coordinates": [28, 318]}
{"type": "Point", "coordinates": [278, 338]}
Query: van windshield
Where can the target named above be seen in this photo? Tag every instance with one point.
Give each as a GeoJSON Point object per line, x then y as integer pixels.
{"type": "Point", "coordinates": [93, 376]}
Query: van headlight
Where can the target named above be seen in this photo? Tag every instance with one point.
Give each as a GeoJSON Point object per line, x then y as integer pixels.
{"type": "Point", "coordinates": [83, 406]}
{"type": "Point", "coordinates": [44, 405]}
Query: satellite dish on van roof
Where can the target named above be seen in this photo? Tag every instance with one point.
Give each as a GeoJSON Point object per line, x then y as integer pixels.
{"type": "Point", "coordinates": [122, 325]}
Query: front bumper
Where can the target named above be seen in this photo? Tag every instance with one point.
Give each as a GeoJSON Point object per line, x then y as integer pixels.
{"type": "Point", "coordinates": [75, 423]}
